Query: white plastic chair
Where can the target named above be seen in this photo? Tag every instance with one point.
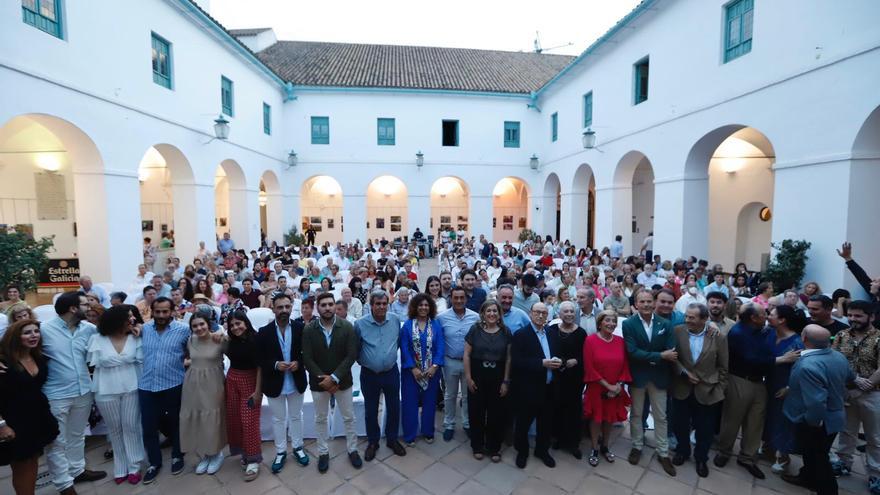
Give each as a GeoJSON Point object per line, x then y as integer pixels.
{"type": "Point", "coordinates": [45, 312]}
{"type": "Point", "coordinates": [260, 317]}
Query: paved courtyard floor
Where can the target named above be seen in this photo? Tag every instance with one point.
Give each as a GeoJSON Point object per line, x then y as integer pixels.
{"type": "Point", "coordinates": [449, 468]}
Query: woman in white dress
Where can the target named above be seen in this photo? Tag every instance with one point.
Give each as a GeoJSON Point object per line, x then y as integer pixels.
{"type": "Point", "coordinates": [115, 353]}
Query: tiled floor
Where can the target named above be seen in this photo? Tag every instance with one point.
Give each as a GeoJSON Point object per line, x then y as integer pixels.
{"type": "Point", "coordinates": [447, 468]}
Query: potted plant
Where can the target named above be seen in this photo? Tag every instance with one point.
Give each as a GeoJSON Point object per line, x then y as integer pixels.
{"type": "Point", "coordinates": [23, 259]}
{"type": "Point", "coordinates": [788, 265]}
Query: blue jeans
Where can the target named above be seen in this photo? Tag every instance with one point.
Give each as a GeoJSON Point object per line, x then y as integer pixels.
{"type": "Point", "coordinates": [373, 385]}
{"type": "Point", "coordinates": [160, 410]}
{"type": "Point", "coordinates": [413, 395]}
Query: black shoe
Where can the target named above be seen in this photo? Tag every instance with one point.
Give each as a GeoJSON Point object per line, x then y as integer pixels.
{"type": "Point", "coordinates": [576, 452]}
{"type": "Point", "coordinates": [177, 465]}
{"type": "Point", "coordinates": [150, 475]}
{"type": "Point", "coordinates": [549, 461]}
{"type": "Point", "coordinates": [702, 469]}
{"type": "Point", "coordinates": [721, 460]}
{"type": "Point", "coordinates": [355, 459]}
{"type": "Point", "coordinates": [323, 463]}
{"type": "Point", "coordinates": [448, 434]}
{"type": "Point", "coordinates": [90, 476]}
{"type": "Point", "coordinates": [752, 469]}
{"type": "Point", "coordinates": [796, 480]}
{"type": "Point", "coordinates": [165, 443]}
{"type": "Point", "coordinates": [370, 452]}
{"type": "Point", "coordinates": [678, 459]}
{"type": "Point", "coordinates": [521, 460]}
{"type": "Point", "coordinates": [397, 448]}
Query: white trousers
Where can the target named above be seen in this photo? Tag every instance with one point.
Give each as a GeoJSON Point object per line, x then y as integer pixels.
{"type": "Point", "coordinates": [453, 375]}
{"type": "Point", "coordinates": [66, 457]}
{"type": "Point", "coordinates": [345, 406]}
{"type": "Point", "coordinates": [658, 411]}
{"type": "Point", "coordinates": [287, 415]}
{"type": "Point", "coordinates": [122, 414]}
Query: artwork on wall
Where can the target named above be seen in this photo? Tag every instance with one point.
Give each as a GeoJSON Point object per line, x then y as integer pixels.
{"type": "Point", "coordinates": [462, 219]}
{"type": "Point", "coordinates": [164, 227]}
{"type": "Point", "coordinates": [221, 221]}
{"type": "Point", "coordinates": [445, 219]}
{"type": "Point", "coordinates": [147, 225]}
{"type": "Point", "coordinates": [494, 222]}
{"type": "Point", "coordinates": [380, 223]}
{"type": "Point", "coordinates": [507, 222]}
{"type": "Point", "coordinates": [330, 223]}
{"type": "Point", "coordinates": [395, 219]}
{"type": "Point", "coordinates": [522, 222]}
{"type": "Point", "coordinates": [395, 227]}
{"type": "Point", "coordinates": [315, 221]}
{"type": "Point", "coordinates": [19, 228]}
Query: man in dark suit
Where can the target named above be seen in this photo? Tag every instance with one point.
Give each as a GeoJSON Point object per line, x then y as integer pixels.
{"type": "Point", "coordinates": [330, 348]}
{"type": "Point", "coordinates": [698, 386]}
{"type": "Point", "coordinates": [814, 403]}
{"type": "Point", "coordinates": [533, 361]}
{"type": "Point", "coordinates": [650, 345]}
{"type": "Point", "coordinates": [283, 380]}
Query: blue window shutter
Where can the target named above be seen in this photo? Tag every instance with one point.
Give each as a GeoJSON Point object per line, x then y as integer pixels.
{"type": "Point", "coordinates": [320, 130]}
{"type": "Point", "coordinates": [267, 119]}
{"type": "Point", "coordinates": [385, 134]}
{"type": "Point", "coordinates": [44, 15]}
{"type": "Point", "coordinates": [511, 134]}
{"type": "Point", "coordinates": [161, 61]}
{"type": "Point", "coordinates": [588, 109]}
{"type": "Point", "coordinates": [227, 96]}
{"type": "Point", "coordinates": [739, 17]}
{"type": "Point", "coordinates": [641, 73]}
{"type": "Point", "coordinates": [554, 126]}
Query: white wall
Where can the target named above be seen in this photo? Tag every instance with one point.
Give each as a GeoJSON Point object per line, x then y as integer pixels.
{"type": "Point", "coordinates": [642, 203]}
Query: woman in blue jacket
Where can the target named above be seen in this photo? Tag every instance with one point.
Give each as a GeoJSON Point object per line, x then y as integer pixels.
{"type": "Point", "coordinates": [421, 357]}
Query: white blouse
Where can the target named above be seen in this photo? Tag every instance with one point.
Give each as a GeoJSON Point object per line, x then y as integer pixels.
{"type": "Point", "coordinates": [115, 372]}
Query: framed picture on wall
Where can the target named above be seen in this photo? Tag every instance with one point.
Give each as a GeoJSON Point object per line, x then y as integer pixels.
{"type": "Point", "coordinates": [494, 222]}
{"type": "Point", "coordinates": [395, 227]}
{"type": "Point", "coordinates": [317, 227]}
{"type": "Point", "coordinates": [147, 225]}
{"type": "Point", "coordinates": [222, 222]}
{"type": "Point", "coordinates": [508, 226]}
{"type": "Point", "coordinates": [305, 224]}
{"type": "Point", "coordinates": [522, 222]}
{"type": "Point", "coordinates": [330, 223]}
{"type": "Point", "coordinates": [164, 227]}
{"type": "Point", "coordinates": [395, 219]}
{"type": "Point", "coordinates": [380, 223]}
{"type": "Point", "coordinates": [507, 219]}
{"type": "Point", "coordinates": [462, 226]}
{"type": "Point", "coordinates": [462, 219]}
{"type": "Point", "coordinates": [315, 221]}
{"type": "Point", "coordinates": [445, 219]}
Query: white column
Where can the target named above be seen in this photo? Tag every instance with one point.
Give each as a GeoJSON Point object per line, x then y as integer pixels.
{"type": "Point", "coordinates": [354, 209]}
{"type": "Point", "coordinates": [681, 222]}
{"type": "Point", "coordinates": [289, 214]}
{"type": "Point", "coordinates": [608, 218]}
{"type": "Point", "coordinates": [244, 217]}
{"type": "Point", "coordinates": [419, 212]}
{"type": "Point", "coordinates": [108, 221]}
{"type": "Point", "coordinates": [574, 217]}
{"type": "Point", "coordinates": [193, 219]}
{"type": "Point", "coordinates": [480, 212]}
{"type": "Point", "coordinates": [537, 214]}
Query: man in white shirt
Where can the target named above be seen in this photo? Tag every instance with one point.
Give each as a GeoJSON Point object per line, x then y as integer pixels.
{"type": "Point", "coordinates": [617, 247]}
{"type": "Point", "coordinates": [648, 278]}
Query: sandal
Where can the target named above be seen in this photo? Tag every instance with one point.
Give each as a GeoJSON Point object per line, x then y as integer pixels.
{"type": "Point", "coordinates": [607, 453]}
{"type": "Point", "coordinates": [594, 458]}
{"type": "Point", "coordinates": [496, 458]}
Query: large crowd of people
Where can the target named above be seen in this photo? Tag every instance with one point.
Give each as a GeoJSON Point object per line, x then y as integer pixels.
{"type": "Point", "coordinates": [510, 341]}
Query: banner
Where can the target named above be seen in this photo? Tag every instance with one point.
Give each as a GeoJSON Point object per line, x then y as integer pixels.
{"type": "Point", "coordinates": [60, 273]}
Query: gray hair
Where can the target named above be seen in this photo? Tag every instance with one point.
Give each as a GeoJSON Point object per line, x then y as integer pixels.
{"type": "Point", "coordinates": [703, 310]}
{"type": "Point", "coordinates": [567, 304]}
{"type": "Point", "coordinates": [402, 290]}
{"type": "Point", "coordinates": [378, 294]}
{"type": "Point", "coordinates": [505, 286]}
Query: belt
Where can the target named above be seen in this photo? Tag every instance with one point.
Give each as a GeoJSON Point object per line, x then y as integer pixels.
{"type": "Point", "coordinates": [490, 364]}
{"type": "Point", "coordinates": [751, 378]}
{"type": "Point", "coordinates": [378, 372]}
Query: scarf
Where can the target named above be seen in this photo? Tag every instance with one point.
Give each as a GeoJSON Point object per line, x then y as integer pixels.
{"type": "Point", "coordinates": [423, 362]}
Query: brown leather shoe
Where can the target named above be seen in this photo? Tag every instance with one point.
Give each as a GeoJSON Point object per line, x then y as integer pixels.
{"type": "Point", "coordinates": [370, 452]}
{"type": "Point", "coordinates": [88, 475]}
{"type": "Point", "coordinates": [397, 448]}
{"type": "Point", "coordinates": [667, 465]}
{"type": "Point", "coordinates": [635, 455]}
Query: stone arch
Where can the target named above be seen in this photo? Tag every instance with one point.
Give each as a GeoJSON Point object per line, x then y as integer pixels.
{"type": "Point", "coordinates": [321, 205]}
{"type": "Point", "coordinates": [552, 199]}
{"type": "Point", "coordinates": [510, 202]}
{"type": "Point", "coordinates": [633, 200]}
{"type": "Point", "coordinates": [450, 205]}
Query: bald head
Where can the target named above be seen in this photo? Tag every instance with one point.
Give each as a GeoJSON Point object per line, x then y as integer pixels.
{"type": "Point", "coordinates": [816, 337]}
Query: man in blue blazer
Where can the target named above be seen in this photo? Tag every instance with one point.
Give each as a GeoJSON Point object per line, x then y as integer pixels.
{"type": "Point", "coordinates": [650, 345]}
{"type": "Point", "coordinates": [814, 403]}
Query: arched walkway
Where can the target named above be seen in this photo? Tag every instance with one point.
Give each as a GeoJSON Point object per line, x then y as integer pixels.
{"type": "Point", "coordinates": [863, 221]}
{"type": "Point", "coordinates": [581, 203]}
{"type": "Point", "coordinates": [510, 209]}
{"type": "Point", "coordinates": [450, 199]}
{"type": "Point", "coordinates": [231, 203]}
{"type": "Point", "coordinates": [321, 207]}
{"type": "Point", "coordinates": [633, 200]}
{"type": "Point", "coordinates": [727, 169]}
{"type": "Point", "coordinates": [753, 234]}
{"type": "Point", "coordinates": [269, 197]}
{"type": "Point", "coordinates": [387, 199]}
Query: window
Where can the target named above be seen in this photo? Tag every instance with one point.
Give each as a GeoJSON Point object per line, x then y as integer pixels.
{"type": "Point", "coordinates": [44, 15]}
{"type": "Point", "coordinates": [588, 109]}
{"type": "Point", "coordinates": [554, 126]}
{"type": "Point", "coordinates": [511, 134]}
{"type": "Point", "coordinates": [161, 61]}
{"type": "Point", "coordinates": [267, 119]}
{"type": "Point", "coordinates": [226, 96]}
{"type": "Point", "coordinates": [640, 76]}
{"type": "Point", "coordinates": [385, 132]}
{"type": "Point", "coordinates": [738, 29]}
{"type": "Point", "coordinates": [320, 130]}
{"type": "Point", "coordinates": [450, 133]}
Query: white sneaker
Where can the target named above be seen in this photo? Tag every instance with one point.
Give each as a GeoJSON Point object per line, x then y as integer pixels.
{"type": "Point", "coordinates": [216, 463]}
{"type": "Point", "coordinates": [203, 465]}
{"type": "Point", "coordinates": [252, 471]}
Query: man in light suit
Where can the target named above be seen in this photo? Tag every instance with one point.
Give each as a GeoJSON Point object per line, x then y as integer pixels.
{"type": "Point", "coordinates": [814, 403]}
{"type": "Point", "coordinates": [650, 345]}
{"type": "Point", "coordinates": [698, 386]}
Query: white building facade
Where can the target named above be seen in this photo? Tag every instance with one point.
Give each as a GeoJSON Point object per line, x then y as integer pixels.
{"type": "Point", "coordinates": [720, 126]}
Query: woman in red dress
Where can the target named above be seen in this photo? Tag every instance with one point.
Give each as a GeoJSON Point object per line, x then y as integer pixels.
{"type": "Point", "coordinates": [606, 369]}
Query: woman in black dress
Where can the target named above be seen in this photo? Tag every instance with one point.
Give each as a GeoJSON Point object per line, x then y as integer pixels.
{"type": "Point", "coordinates": [487, 371]}
{"type": "Point", "coordinates": [570, 380]}
{"type": "Point", "coordinates": [26, 423]}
